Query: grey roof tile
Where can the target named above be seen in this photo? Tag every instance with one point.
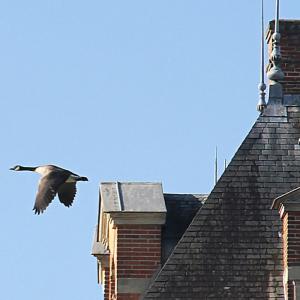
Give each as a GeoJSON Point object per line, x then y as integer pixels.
{"type": "Point", "coordinates": [181, 209]}
{"type": "Point", "coordinates": [232, 249]}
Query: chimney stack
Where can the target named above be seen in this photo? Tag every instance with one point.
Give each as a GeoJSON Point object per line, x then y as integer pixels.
{"type": "Point", "coordinates": [127, 243]}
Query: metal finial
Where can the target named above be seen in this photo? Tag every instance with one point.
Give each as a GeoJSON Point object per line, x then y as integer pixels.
{"type": "Point", "coordinates": [275, 73]}
{"type": "Point", "coordinates": [216, 165]}
{"type": "Point", "coordinates": [262, 86]}
{"type": "Point", "coordinates": [277, 17]}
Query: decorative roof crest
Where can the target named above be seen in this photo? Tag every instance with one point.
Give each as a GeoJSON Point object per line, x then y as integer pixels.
{"type": "Point", "coordinates": [275, 73]}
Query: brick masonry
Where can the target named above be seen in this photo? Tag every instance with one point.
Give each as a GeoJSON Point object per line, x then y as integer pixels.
{"type": "Point", "coordinates": [135, 254]}
{"type": "Point", "coordinates": [292, 238]}
{"type": "Point", "coordinates": [106, 284]}
{"type": "Point", "coordinates": [138, 250]}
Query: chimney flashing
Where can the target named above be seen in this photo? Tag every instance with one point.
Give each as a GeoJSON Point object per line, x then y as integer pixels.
{"type": "Point", "coordinates": [275, 106]}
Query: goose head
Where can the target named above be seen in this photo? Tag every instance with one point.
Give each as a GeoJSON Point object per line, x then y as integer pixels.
{"type": "Point", "coordinates": [20, 168]}
{"type": "Point", "coordinates": [16, 168]}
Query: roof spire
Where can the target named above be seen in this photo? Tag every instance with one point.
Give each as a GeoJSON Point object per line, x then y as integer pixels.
{"type": "Point", "coordinates": [262, 86]}
{"type": "Point", "coordinates": [275, 73]}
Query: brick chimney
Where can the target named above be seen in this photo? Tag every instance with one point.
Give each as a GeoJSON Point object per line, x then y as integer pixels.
{"type": "Point", "coordinates": [127, 242]}
{"type": "Point", "coordinates": [290, 51]}
{"type": "Point", "coordinates": [288, 206]}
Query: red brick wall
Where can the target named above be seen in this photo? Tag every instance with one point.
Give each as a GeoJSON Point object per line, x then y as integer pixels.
{"type": "Point", "coordinates": [138, 250]}
{"type": "Point", "coordinates": [290, 50]}
{"type": "Point", "coordinates": [112, 281]}
{"type": "Point", "coordinates": [137, 255]}
{"type": "Point", "coordinates": [293, 238]}
{"type": "Point", "coordinates": [106, 284]}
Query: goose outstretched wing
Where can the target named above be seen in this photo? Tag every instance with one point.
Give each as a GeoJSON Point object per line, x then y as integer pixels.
{"type": "Point", "coordinates": [48, 187]}
{"type": "Point", "coordinates": [66, 193]}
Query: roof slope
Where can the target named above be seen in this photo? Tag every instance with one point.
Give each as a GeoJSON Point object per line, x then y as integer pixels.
{"type": "Point", "coordinates": [181, 209]}
{"type": "Point", "coordinates": [232, 249]}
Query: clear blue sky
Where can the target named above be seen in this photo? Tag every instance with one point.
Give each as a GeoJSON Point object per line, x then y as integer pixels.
{"type": "Point", "coordinates": [114, 90]}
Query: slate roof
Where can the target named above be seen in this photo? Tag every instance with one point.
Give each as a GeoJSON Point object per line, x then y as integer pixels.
{"type": "Point", "coordinates": [232, 249]}
{"type": "Point", "coordinates": [181, 209]}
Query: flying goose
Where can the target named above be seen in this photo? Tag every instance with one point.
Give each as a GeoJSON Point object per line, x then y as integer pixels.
{"type": "Point", "coordinates": [54, 180]}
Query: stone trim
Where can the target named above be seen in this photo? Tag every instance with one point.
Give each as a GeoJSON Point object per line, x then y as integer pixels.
{"type": "Point", "coordinates": [122, 218]}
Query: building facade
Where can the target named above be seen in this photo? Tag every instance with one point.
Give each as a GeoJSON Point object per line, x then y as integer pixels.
{"type": "Point", "coordinates": [138, 227]}
{"type": "Point", "coordinates": [236, 246]}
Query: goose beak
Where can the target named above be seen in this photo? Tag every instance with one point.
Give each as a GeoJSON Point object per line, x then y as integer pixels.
{"type": "Point", "coordinates": [11, 168]}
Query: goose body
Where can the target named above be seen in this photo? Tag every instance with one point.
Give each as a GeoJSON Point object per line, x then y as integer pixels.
{"type": "Point", "coordinates": [54, 180]}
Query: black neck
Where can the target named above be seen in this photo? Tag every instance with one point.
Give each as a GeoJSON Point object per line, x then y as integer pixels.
{"type": "Point", "coordinates": [27, 168]}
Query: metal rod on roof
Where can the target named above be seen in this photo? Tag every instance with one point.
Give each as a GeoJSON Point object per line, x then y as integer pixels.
{"type": "Point", "coordinates": [216, 165]}
{"type": "Point", "coordinates": [262, 86]}
{"type": "Point", "coordinates": [277, 17]}
{"type": "Point", "coordinates": [262, 54]}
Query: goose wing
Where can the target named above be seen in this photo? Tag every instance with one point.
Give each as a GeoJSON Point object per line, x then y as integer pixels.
{"type": "Point", "coordinates": [66, 193]}
{"type": "Point", "coordinates": [48, 187]}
